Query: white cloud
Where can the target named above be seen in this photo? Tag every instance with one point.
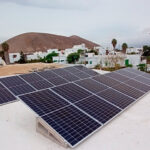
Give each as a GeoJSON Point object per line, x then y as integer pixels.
{"type": "Point", "coordinates": [56, 4]}
{"type": "Point", "coordinates": [97, 20]}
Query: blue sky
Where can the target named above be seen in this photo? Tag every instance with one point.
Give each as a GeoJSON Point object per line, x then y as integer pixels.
{"type": "Point", "coordinates": [97, 20]}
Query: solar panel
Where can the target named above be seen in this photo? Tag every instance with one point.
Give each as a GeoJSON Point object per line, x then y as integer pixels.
{"type": "Point", "coordinates": [1, 86]}
{"type": "Point", "coordinates": [71, 92]}
{"type": "Point", "coordinates": [57, 81]}
{"type": "Point", "coordinates": [146, 75]}
{"type": "Point", "coordinates": [116, 98]}
{"type": "Point", "coordinates": [43, 102]}
{"type": "Point", "coordinates": [142, 79]}
{"type": "Point", "coordinates": [12, 81]}
{"type": "Point", "coordinates": [107, 81]}
{"type": "Point", "coordinates": [21, 89]}
{"type": "Point", "coordinates": [47, 74]}
{"type": "Point", "coordinates": [127, 73]}
{"type": "Point", "coordinates": [32, 77]}
{"type": "Point", "coordinates": [82, 75]}
{"type": "Point", "coordinates": [66, 75]}
{"type": "Point", "coordinates": [43, 84]}
{"type": "Point", "coordinates": [138, 85]}
{"type": "Point", "coordinates": [36, 81]}
{"type": "Point", "coordinates": [71, 124]}
{"type": "Point", "coordinates": [5, 95]}
{"type": "Point", "coordinates": [71, 69]}
{"type": "Point", "coordinates": [91, 85]}
{"type": "Point", "coordinates": [117, 76]}
{"type": "Point", "coordinates": [98, 108]}
{"type": "Point", "coordinates": [86, 70]}
{"type": "Point", "coordinates": [16, 85]}
{"type": "Point", "coordinates": [128, 90]}
{"type": "Point", "coordinates": [70, 77]}
{"type": "Point", "coordinates": [61, 72]}
{"type": "Point", "coordinates": [134, 71]}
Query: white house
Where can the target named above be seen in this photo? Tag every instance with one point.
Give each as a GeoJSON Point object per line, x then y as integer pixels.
{"type": "Point", "coordinates": [60, 59]}
{"type": "Point", "coordinates": [36, 55]}
{"type": "Point", "coordinates": [14, 57]}
{"type": "Point", "coordinates": [74, 49]}
{"type": "Point", "coordinates": [134, 50]}
{"type": "Point", "coordinates": [52, 50]}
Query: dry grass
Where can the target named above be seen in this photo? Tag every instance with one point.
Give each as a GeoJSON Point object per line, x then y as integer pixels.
{"type": "Point", "coordinates": [25, 68]}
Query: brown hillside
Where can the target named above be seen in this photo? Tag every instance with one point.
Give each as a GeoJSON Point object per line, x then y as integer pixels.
{"type": "Point", "coordinates": [31, 42]}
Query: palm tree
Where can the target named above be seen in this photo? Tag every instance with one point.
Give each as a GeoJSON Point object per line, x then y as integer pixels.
{"type": "Point", "coordinates": [114, 43]}
{"type": "Point", "coordinates": [5, 48]}
{"type": "Point", "coordinates": [124, 47]}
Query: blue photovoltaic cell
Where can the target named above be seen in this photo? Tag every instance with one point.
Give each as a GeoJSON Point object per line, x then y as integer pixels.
{"type": "Point", "coordinates": [36, 81]}
{"type": "Point", "coordinates": [135, 71]}
{"type": "Point", "coordinates": [70, 77]}
{"type": "Point", "coordinates": [47, 74]}
{"type": "Point", "coordinates": [92, 85]}
{"type": "Point", "coordinates": [107, 81]}
{"type": "Point", "coordinates": [12, 81]}
{"type": "Point", "coordinates": [71, 92]}
{"type": "Point", "coordinates": [5, 96]}
{"type": "Point", "coordinates": [98, 108]}
{"type": "Point", "coordinates": [127, 73]}
{"type": "Point", "coordinates": [57, 81]}
{"type": "Point", "coordinates": [143, 80]}
{"type": "Point", "coordinates": [43, 84]}
{"type": "Point", "coordinates": [86, 70]}
{"type": "Point", "coordinates": [61, 72]}
{"type": "Point", "coordinates": [117, 76]}
{"type": "Point", "coordinates": [146, 75]}
{"type": "Point", "coordinates": [66, 75]}
{"type": "Point", "coordinates": [71, 124]}
{"type": "Point", "coordinates": [128, 90]}
{"type": "Point", "coordinates": [82, 75]}
{"type": "Point", "coordinates": [43, 102]}
{"type": "Point", "coordinates": [1, 86]}
{"type": "Point", "coordinates": [21, 89]}
{"type": "Point", "coordinates": [53, 77]}
{"type": "Point", "coordinates": [138, 85]}
{"type": "Point", "coordinates": [16, 85]}
{"type": "Point", "coordinates": [119, 99]}
{"type": "Point", "coordinates": [32, 77]}
{"type": "Point", "coordinates": [71, 70]}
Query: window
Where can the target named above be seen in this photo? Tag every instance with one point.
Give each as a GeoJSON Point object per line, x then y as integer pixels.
{"type": "Point", "coordinates": [62, 60]}
{"type": "Point", "coordinates": [90, 62]}
{"type": "Point", "coordinates": [14, 56]}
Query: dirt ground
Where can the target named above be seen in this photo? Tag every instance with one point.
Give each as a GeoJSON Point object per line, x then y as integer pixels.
{"type": "Point", "coordinates": [25, 68]}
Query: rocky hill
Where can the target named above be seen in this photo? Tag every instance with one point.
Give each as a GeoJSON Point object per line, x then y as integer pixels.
{"type": "Point", "coordinates": [32, 42]}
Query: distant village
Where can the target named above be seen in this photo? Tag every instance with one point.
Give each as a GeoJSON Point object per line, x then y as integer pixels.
{"type": "Point", "coordinates": [98, 57]}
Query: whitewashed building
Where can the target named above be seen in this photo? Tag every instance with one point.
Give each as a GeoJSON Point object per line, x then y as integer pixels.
{"type": "Point", "coordinates": [60, 59]}
{"type": "Point", "coordinates": [74, 49]}
{"type": "Point", "coordinates": [134, 50]}
{"type": "Point", "coordinates": [14, 57]}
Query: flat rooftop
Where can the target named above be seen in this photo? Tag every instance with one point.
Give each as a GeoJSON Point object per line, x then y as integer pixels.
{"type": "Point", "coordinates": [130, 130]}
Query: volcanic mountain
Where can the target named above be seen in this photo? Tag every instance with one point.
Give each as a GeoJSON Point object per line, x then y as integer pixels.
{"type": "Point", "coordinates": [33, 42]}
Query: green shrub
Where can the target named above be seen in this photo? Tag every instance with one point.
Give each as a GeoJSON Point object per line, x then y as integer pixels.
{"type": "Point", "coordinates": [142, 67]}
{"type": "Point", "coordinates": [49, 57]}
{"type": "Point", "coordinates": [73, 57]}
{"type": "Point", "coordinates": [22, 58]}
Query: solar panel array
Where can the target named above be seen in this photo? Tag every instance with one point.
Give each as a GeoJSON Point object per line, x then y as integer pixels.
{"type": "Point", "coordinates": [76, 101]}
